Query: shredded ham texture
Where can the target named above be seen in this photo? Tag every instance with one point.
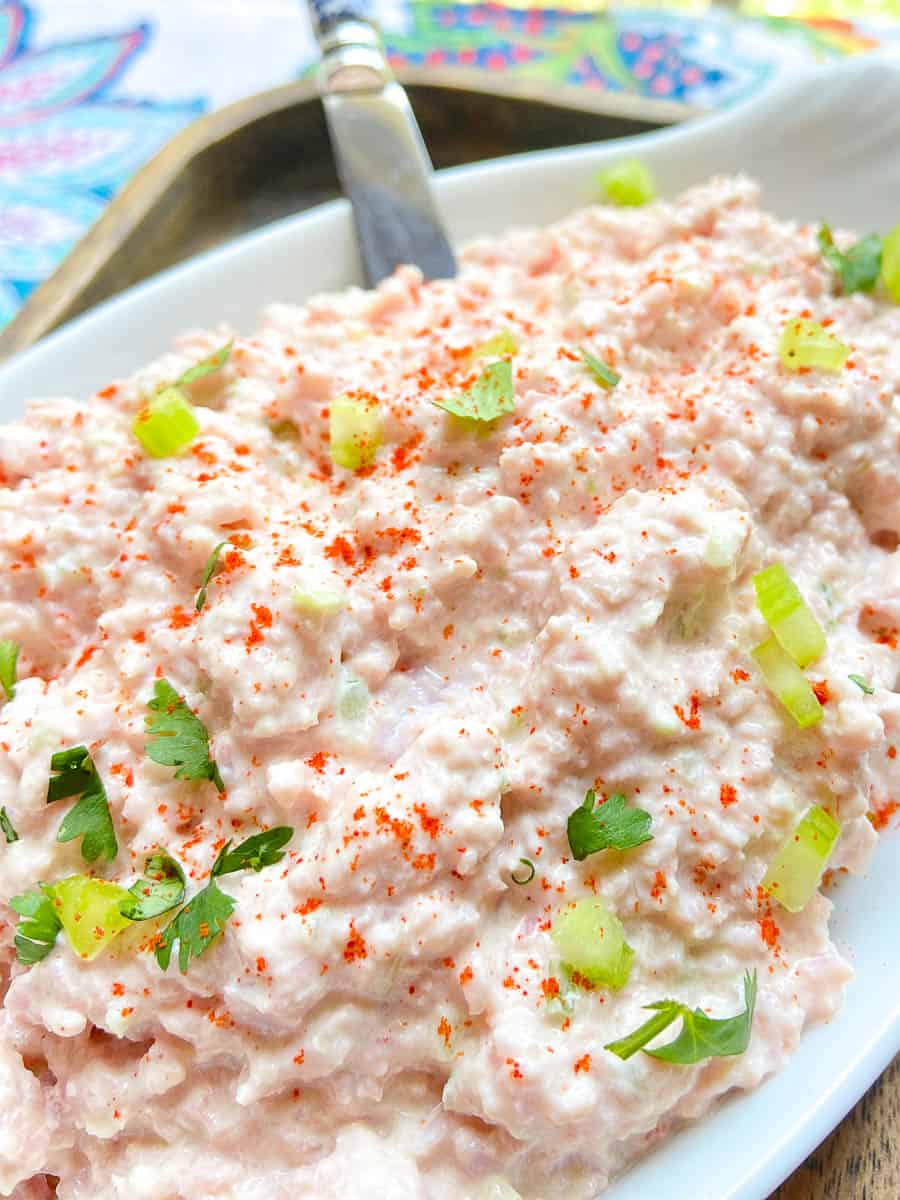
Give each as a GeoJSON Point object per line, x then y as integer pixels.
{"type": "Point", "coordinates": [557, 601]}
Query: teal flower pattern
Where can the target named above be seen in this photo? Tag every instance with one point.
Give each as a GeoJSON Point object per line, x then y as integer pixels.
{"type": "Point", "coordinates": [66, 144]}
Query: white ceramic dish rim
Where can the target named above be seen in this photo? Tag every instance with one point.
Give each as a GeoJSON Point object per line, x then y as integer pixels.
{"type": "Point", "coordinates": [752, 1142]}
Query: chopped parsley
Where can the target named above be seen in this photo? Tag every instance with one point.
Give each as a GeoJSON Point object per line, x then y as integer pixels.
{"type": "Point", "coordinates": [7, 827]}
{"type": "Point", "coordinates": [862, 684]}
{"type": "Point", "coordinates": [36, 933]}
{"type": "Point", "coordinates": [206, 366]}
{"type": "Point", "coordinates": [503, 342]}
{"type": "Point", "coordinates": [700, 1037]}
{"type": "Point", "coordinates": [603, 374]}
{"type": "Point", "coordinates": [612, 825]}
{"type": "Point", "coordinates": [9, 654]}
{"type": "Point", "coordinates": [209, 570]}
{"type": "Point", "coordinates": [261, 850]}
{"type": "Point", "coordinates": [857, 268]}
{"type": "Point", "coordinates": [204, 917]}
{"type": "Point", "coordinates": [179, 737]}
{"type": "Point", "coordinates": [489, 397]}
{"type": "Point", "coordinates": [90, 818]}
{"type": "Point", "coordinates": [196, 927]}
{"type": "Point", "coordinates": [161, 889]}
{"type": "Point", "coordinates": [523, 877]}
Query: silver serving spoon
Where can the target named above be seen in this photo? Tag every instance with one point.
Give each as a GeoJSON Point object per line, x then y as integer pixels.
{"type": "Point", "coordinates": [382, 161]}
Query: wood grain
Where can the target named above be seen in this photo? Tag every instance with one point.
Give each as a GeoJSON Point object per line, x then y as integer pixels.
{"type": "Point", "coordinates": [861, 1159]}
{"type": "Point", "coordinates": [268, 156]}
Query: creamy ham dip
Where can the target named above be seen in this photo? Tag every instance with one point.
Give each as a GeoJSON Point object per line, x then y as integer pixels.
{"type": "Point", "coordinates": [560, 600]}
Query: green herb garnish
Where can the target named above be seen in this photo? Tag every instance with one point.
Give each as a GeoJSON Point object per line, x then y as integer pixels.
{"type": "Point", "coordinates": [206, 366]}
{"type": "Point", "coordinates": [862, 684]}
{"type": "Point", "coordinates": [7, 827]}
{"type": "Point", "coordinates": [523, 877]}
{"type": "Point", "coordinates": [90, 818]}
{"type": "Point", "coordinates": [503, 342]}
{"type": "Point", "coordinates": [489, 397]}
{"type": "Point", "coordinates": [261, 850]}
{"type": "Point", "coordinates": [603, 374]}
{"type": "Point", "coordinates": [179, 737]}
{"type": "Point", "coordinates": [612, 825]}
{"type": "Point", "coordinates": [196, 927]}
{"type": "Point", "coordinates": [700, 1037]}
{"type": "Point", "coordinates": [204, 917]}
{"type": "Point", "coordinates": [857, 268]}
{"type": "Point", "coordinates": [208, 571]}
{"type": "Point", "coordinates": [161, 889]}
{"type": "Point", "coordinates": [36, 934]}
{"type": "Point", "coordinates": [9, 654]}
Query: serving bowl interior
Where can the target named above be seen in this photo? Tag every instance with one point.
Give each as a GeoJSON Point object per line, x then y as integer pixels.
{"type": "Point", "coordinates": [823, 146]}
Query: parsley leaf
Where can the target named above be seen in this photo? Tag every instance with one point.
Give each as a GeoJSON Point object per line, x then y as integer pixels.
{"type": "Point", "coordinates": [204, 916]}
{"type": "Point", "coordinates": [76, 774]}
{"type": "Point", "coordinates": [700, 1037]}
{"type": "Point", "coordinates": [859, 267]}
{"type": "Point", "coordinates": [489, 397]}
{"type": "Point", "coordinates": [161, 889]}
{"type": "Point", "coordinates": [36, 934]}
{"type": "Point", "coordinates": [862, 684]}
{"type": "Point", "coordinates": [180, 739]}
{"type": "Point", "coordinates": [90, 818]}
{"type": "Point", "coordinates": [209, 570]}
{"type": "Point", "coordinates": [609, 826]}
{"type": "Point", "coordinates": [260, 850]}
{"type": "Point", "coordinates": [9, 653]}
{"type": "Point", "coordinates": [603, 374]}
{"type": "Point", "coordinates": [206, 366]}
{"type": "Point", "coordinates": [7, 827]}
{"type": "Point", "coordinates": [196, 927]}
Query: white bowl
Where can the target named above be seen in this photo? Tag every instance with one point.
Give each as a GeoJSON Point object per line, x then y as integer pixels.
{"type": "Point", "coordinates": [826, 145]}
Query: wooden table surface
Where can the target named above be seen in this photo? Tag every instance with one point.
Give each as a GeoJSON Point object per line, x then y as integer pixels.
{"type": "Point", "coordinates": [861, 1159]}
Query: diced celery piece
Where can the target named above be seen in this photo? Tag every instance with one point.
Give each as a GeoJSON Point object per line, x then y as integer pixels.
{"type": "Point", "coordinates": [796, 869]}
{"type": "Point", "coordinates": [207, 366]}
{"type": "Point", "coordinates": [788, 683]}
{"type": "Point", "coordinates": [890, 263]}
{"type": "Point", "coordinates": [601, 372]}
{"type": "Point", "coordinates": [318, 601]}
{"type": "Point", "coordinates": [353, 698]}
{"type": "Point", "coordinates": [628, 184]}
{"type": "Point", "coordinates": [503, 342]}
{"type": "Point", "coordinates": [808, 344]}
{"type": "Point", "coordinates": [591, 941]}
{"type": "Point", "coordinates": [88, 910]}
{"type": "Point", "coordinates": [355, 432]}
{"type": "Point", "coordinates": [9, 656]}
{"type": "Point", "coordinates": [788, 616]}
{"type": "Point", "coordinates": [166, 424]}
